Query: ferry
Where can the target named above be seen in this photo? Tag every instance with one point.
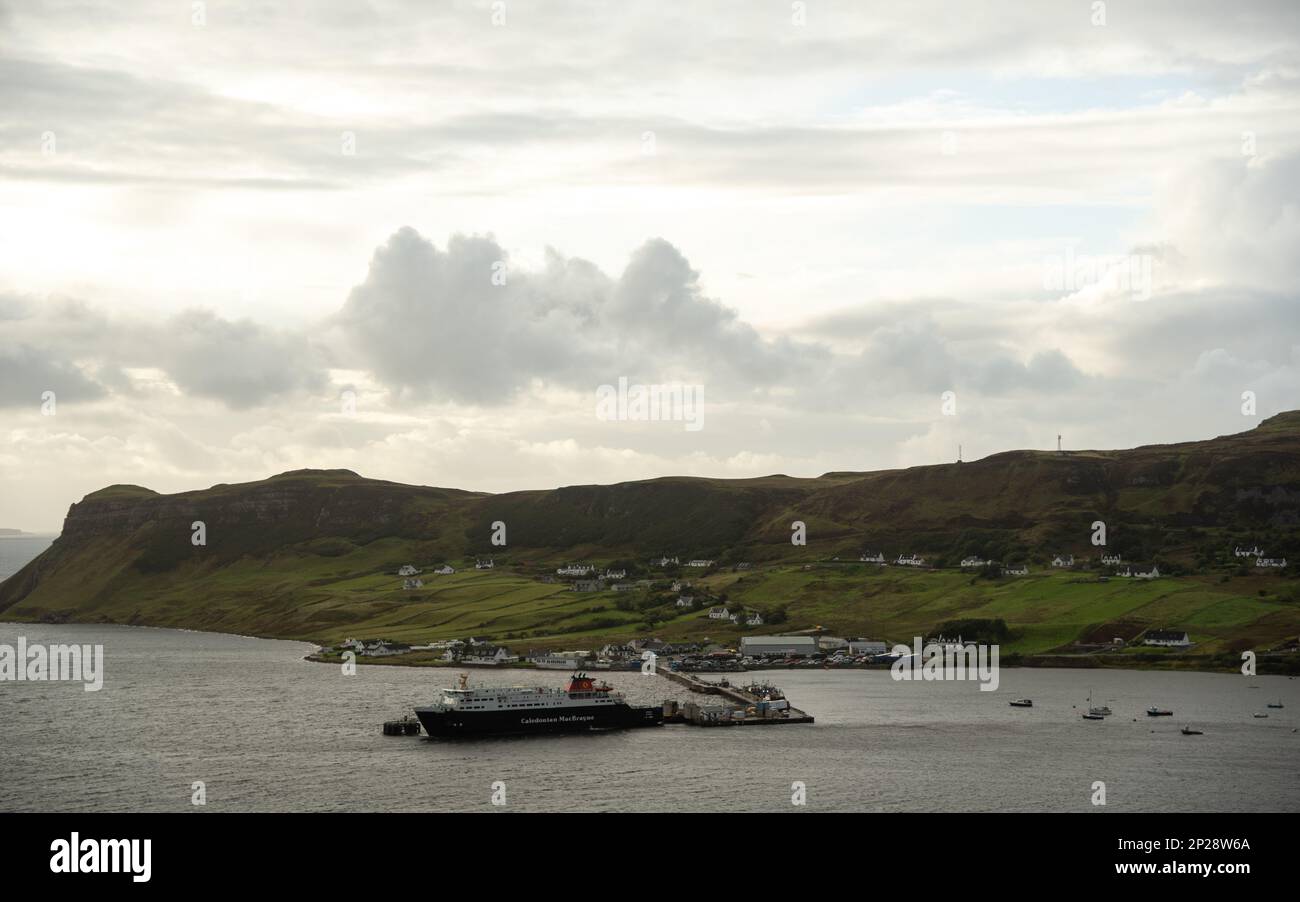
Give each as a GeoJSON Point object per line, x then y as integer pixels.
{"type": "Point", "coordinates": [580, 705]}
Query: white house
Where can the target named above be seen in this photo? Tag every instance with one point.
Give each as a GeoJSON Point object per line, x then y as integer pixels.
{"type": "Point", "coordinates": [491, 657]}
{"type": "Point", "coordinates": [719, 614]}
{"type": "Point", "coordinates": [1066, 561]}
{"type": "Point", "coordinates": [445, 570]}
{"type": "Point", "coordinates": [1111, 560]}
{"type": "Point", "coordinates": [407, 570]}
{"type": "Point", "coordinates": [489, 564]}
{"type": "Point", "coordinates": [574, 570]}
{"type": "Point", "coordinates": [686, 601]}
{"type": "Point", "coordinates": [1153, 573]}
{"type": "Point", "coordinates": [1126, 572]}
{"type": "Point", "coordinates": [663, 562]}
{"type": "Point", "coordinates": [1247, 552]}
{"type": "Point", "coordinates": [755, 619]}
{"type": "Point", "coordinates": [615, 574]}
{"type": "Point", "coordinates": [1022, 570]}
{"type": "Point", "coordinates": [698, 562]}
{"type": "Point", "coordinates": [877, 558]}
{"type": "Point", "coordinates": [1167, 638]}
{"type": "Point", "coordinates": [910, 560]}
{"type": "Point", "coordinates": [1270, 562]}
{"type": "Point", "coordinates": [679, 584]}
{"type": "Point", "coordinates": [972, 562]}
{"type": "Point", "coordinates": [413, 583]}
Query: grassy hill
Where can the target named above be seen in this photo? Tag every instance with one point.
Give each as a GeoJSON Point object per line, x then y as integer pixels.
{"type": "Point", "coordinates": [314, 554]}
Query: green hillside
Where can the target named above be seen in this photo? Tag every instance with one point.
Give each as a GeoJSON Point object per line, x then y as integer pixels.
{"type": "Point", "coordinates": [314, 554]}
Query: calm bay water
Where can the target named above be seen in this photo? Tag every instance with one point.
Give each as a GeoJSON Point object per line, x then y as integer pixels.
{"type": "Point", "coordinates": [268, 731]}
{"type": "Point", "coordinates": [16, 551]}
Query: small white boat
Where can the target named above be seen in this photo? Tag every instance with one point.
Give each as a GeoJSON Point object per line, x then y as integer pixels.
{"type": "Point", "coordinates": [1259, 714]}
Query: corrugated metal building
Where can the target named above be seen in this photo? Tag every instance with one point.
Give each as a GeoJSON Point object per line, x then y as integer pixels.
{"type": "Point", "coordinates": [767, 646]}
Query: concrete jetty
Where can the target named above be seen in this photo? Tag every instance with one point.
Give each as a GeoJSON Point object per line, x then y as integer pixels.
{"type": "Point", "coordinates": [743, 708]}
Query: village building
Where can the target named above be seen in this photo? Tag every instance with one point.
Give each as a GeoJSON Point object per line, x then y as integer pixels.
{"type": "Point", "coordinates": [588, 585]}
{"type": "Point", "coordinates": [1111, 560]}
{"type": "Point", "coordinates": [445, 570]}
{"type": "Point", "coordinates": [755, 619]}
{"type": "Point", "coordinates": [686, 601]}
{"type": "Point", "coordinates": [484, 565]}
{"type": "Point", "coordinates": [777, 646]}
{"type": "Point", "coordinates": [877, 558]}
{"type": "Point", "coordinates": [970, 563]}
{"type": "Point", "coordinates": [491, 657]}
{"type": "Point", "coordinates": [1247, 552]}
{"type": "Point", "coordinates": [413, 583]}
{"type": "Point", "coordinates": [1022, 570]}
{"type": "Point", "coordinates": [910, 560]}
{"type": "Point", "coordinates": [867, 647]}
{"type": "Point", "coordinates": [624, 587]}
{"type": "Point", "coordinates": [1167, 638]}
{"type": "Point", "coordinates": [407, 570]}
{"type": "Point", "coordinates": [1270, 562]}
{"type": "Point", "coordinates": [719, 614]}
{"type": "Point", "coordinates": [1153, 573]}
{"type": "Point", "coordinates": [699, 563]}
{"type": "Point", "coordinates": [1063, 561]}
{"type": "Point", "coordinates": [615, 574]}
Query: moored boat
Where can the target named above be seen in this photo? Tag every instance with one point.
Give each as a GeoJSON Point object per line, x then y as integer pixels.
{"type": "Point", "coordinates": [1188, 731]}
{"type": "Point", "coordinates": [1022, 703]}
{"type": "Point", "coordinates": [1153, 711]}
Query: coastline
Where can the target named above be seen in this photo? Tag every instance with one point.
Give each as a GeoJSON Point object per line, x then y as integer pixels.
{"type": "Point", "coordinates": [1146, 661]}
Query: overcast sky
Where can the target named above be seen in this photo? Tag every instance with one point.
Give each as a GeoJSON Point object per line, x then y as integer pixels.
{"type": "Point", "coordinates": [216, 220]}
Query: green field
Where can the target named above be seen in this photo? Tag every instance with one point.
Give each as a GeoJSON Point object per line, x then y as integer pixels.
{"type": "Point", "coordinates": [302, 595]}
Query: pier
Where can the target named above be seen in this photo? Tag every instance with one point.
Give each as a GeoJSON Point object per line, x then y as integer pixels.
{"type": "Point", "coordinates": [743, 708]}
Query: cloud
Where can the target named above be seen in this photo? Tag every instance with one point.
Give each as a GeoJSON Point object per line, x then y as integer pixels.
{"type": "Point", "coordinates": [240, 363]}
{"type": "Point", "coordinates": [465, 325]}
{"type": "Point", "coordinates": [26, 374]}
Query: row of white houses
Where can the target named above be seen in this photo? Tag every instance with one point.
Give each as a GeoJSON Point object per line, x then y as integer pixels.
{"type": "Point", "coordinates": [749, 618]}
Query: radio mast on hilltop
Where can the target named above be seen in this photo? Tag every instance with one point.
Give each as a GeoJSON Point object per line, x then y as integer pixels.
{"type": "Point", "coordinates": [1058, 445]}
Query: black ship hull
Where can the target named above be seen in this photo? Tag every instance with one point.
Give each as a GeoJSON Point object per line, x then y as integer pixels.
{"type": "Point", "coordinates": [558, 720]}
